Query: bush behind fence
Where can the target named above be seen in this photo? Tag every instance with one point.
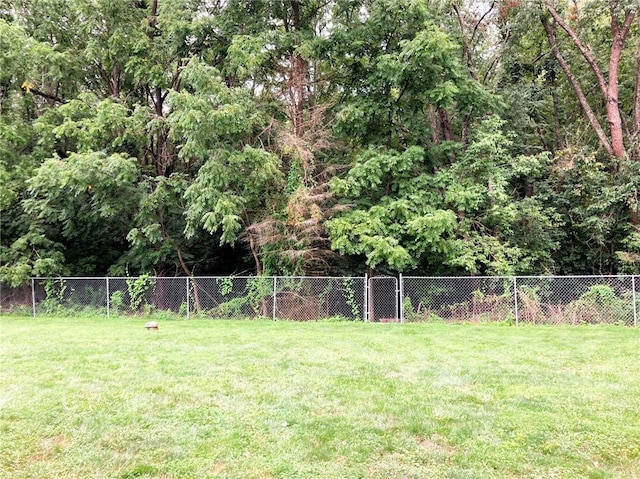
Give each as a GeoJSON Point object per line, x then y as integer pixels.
{"type": "Point", "coordinates": [517, 300]}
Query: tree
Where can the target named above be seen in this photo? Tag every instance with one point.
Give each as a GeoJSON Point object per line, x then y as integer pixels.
{"type": "Point", "coordinates": [548, 115]}
{"type": "Point", "coordinates": [406, 68]}
{"type": "Point", "coordinates": [277, 49]}
{"type": "Point", "coordinates": [393, 223]}
{"type": "Point", "coordinates": [79, 210]}
{"type": "Point", "coordinates": [502, 228]}
{"type": "Point", "coordinates": [101, 88]}
{"type": "Point", "coordinates": [25, 249]}
{"type": "Point", "coordinates": [621, 16]}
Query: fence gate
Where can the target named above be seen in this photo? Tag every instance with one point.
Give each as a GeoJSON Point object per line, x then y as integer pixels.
{"type": "Point", "coordinates": [383, 299]}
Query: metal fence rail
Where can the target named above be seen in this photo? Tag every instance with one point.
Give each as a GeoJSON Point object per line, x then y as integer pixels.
{"type": "Point", "coordinates": [517, 300]}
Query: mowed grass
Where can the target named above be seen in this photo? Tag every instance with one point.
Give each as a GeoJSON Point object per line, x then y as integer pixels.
{"type": "Point", "coordinates": [97, 398]}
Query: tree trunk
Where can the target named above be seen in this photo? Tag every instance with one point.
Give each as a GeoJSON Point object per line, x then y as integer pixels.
{"type": "Point", "coordinates": [433, 123]}
{"type": "Point", "coordinates": [446, 124]}
{"type": "Point", "coordinates": [162, 152]}
{"type": "Point", "coordinates": [556, 116]}
{"type": "Point", "coordinates": [466, 47]}
{"type": "Point", "coordinates": [635, 134]}
{"type": "Point", "coordinates": [549, 29]}
{"type": "Point", "coordinates": [196, 295]}
{"type": "Point", "coordinates": [466, 40]}
{"type": "Point", "coordinates": [619, 35]}
{"type": "Point", "coordinates": [116, 77]}
{"type": "Point", "coordinates": [608, 86]}
{"type": "Point", "coordinates": [254, 253]}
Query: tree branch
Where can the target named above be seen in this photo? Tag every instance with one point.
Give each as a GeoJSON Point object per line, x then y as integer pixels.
{"type": "Point", "coordinates": [466, 47]}
{"type": "Point", "coordinates": [479, 22]}
{"type": "Point", "coordinates": [585, 50]}
{"type": "Point", "coordinates": [30, 89]}
{"type": "Point", "coordinates": [593, 121]}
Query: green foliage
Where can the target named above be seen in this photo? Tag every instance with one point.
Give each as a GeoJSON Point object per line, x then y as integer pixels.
{"type": "Point", "coordinates": [499, 232]}
{"type": "Point", "coordinates": [255, 301]}
{"type": "Point", "coordinates": [86, 124]}
{"type": "Point", "coordinates": [156, 236]}
{"type": "Point", "coordinates": [600, 304]}
{"type": "Point", "coordinates": [33, 254]}
{"type": "Point", "coordinates": [55, 296]}
{"type": "Point", "coordinates": [426, 66]}
{"type": "Point", "coordinates": [350, 295]}
{"type": "Point", "coordinates": [92, 186]}
{"type": "Point", "coordinates": [225, 285]}
{"type": "Point", "coordinates": [597, 208]}
{"type": "Point", "coordinates": [394, 223]}
{"type": "Point", "coordinates": [408, 312]}
{"type": "Point", "coordinates": [259, 289]}
{"type": "Point", "coordinates": [208, 115]}
{"type": "Point", "coordinates": [80, 210]}
{"type": "Point", "coordinates": [137, 289]}
{"type": "Point", "coordinates": [157, 136]}
{"type": "Point", "coordinates": [395, 62]}
{"type": "Point", "coordinates": [116, 301]}
{"type": "Point", "coordinates": [228, 187]}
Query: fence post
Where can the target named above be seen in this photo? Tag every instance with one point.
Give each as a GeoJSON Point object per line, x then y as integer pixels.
{"type": "Point", "coordinates": [33, 296]}
{"type": "Point", "coordinates": [108, 298]}
{"type": "Point", "coordinates": [275, 279]}
{"type": "Point", "coordinates": [515, 298]}
{"type": "Point", "coordinates": [188, 300]}
{"type": "Point", "coordinates": [635, 306]}
{"type": "Point", "coordinates": [366, 298]}
{"type": "Point", "coordinates": [401, 293]}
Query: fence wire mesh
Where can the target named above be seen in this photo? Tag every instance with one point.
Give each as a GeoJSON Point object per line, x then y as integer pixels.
{"type": "Point", "coordinates": [145, 294]}
{"type": "Point", "coordinates": [383, 299]}
{"type": "Point", "coordinates": [68, 296]}
{"type": "Point", "coordinates": [15, 299]}
{"type": "Point", "coordinates": [293, 298]}
{"type": "Point", "coordinates": [458, 299]}
{"type": "Point", "coordinates": [576, 300]}
{"type": "Point", "coordinates": [519, 300]}
{"type": "Point", "coordinates": [232, 297]}
{"type": "Point", "coordinates": [306, 298]}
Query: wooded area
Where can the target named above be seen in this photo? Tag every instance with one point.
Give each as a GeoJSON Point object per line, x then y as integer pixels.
{"type": "Point", "coordinates": [431, 137]}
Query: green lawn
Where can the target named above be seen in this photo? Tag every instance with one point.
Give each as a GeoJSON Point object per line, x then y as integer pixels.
{"type": "Point", "coordinates": [97, 398]}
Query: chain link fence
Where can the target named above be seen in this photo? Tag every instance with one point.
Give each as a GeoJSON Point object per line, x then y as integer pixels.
{"type": "Point", "coordinates": [515, 300]}
{"type": "Point", "coordinates": [522, 300]}
{"type": "Point", "coordinates": [577, 300]}
{"type": "Point", "coordinates": [236, 297]}
{"type": "Point", "coordinates": [458, 299]}
{"type": "Point", "coordinates": [383, 292]}
{"type": "Point", "coordinates": [16, 299]}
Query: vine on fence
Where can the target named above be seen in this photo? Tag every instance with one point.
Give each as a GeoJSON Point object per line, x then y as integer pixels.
{"type": "Point", "coordinates": [54, 297]}
{"type": "Point", "coordinates": [258, 289]}
{"type": "Point", "coordinates": [116, 301]}
{"type": "Point", "coordinates": [225, 285]}
{"type": "Point", "coordinates": [137, 287]}
{"type": "Point", "coordinates": [350, 296]}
